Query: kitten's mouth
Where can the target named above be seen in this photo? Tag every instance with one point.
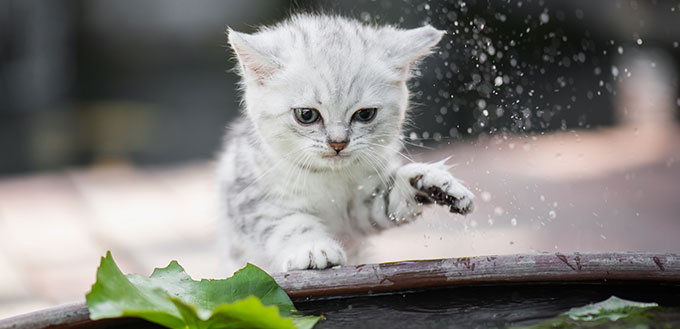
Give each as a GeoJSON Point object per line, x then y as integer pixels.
{"type": "Point", "coordinates": [336, 156]}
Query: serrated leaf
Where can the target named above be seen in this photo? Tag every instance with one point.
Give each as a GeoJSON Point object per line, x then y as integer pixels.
{"type": "Point", "coordinates": [613, 309]}
{"type": "Point", "coordinates": [249, 299]}
{"type": "Point", "coordinates": [612, 313]}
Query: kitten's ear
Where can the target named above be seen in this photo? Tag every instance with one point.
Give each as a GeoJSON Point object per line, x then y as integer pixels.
{"type": "Point", "coordinates": [410, 46]}
{"type": "Point", "coordinates": [254, 60]}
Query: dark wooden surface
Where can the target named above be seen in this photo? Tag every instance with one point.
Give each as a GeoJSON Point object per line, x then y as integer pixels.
{"type": "Point", "coordinates": [410, 275]}
{"type": "Point", "coordinates": [556, 267]}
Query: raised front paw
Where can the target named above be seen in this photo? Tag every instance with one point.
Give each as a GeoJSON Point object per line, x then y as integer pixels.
{"type": "Point", "coordinates": [435, 184]}
{"type": "Point", "coordinates": [315, 253]}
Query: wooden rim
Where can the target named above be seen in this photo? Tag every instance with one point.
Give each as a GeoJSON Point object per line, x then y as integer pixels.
{"type": "Point", "coordinates": [409, 275]}
{"type": "Point", "coordinates": [523, 268]}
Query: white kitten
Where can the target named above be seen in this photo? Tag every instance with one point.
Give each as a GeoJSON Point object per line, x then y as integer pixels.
{"type": "Point", "coordinates": [312, 167]}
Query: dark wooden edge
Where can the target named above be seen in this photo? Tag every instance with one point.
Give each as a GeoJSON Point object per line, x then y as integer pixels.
{"type": "Point", "coordinates": [545, 268]}
{"type": "Point", "coordinates": [409, 275]}
{"type": "Point", "coordinates": [62, 315]}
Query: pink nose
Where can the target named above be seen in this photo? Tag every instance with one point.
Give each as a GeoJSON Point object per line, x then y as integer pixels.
{"type": "Point", "coordinates": [338, 146]}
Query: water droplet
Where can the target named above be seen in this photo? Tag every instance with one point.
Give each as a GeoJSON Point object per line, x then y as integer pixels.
{"type": "Point", "coordinates": [542, 197]}
{"type": "Point", "coordinates": [498, 81]}
{"type": "Point", "coordinates": [639, 41]}
{"type": "Point", "coordinates": [513, 221]}
{"type": "Point", "coordinates": [581, 57]}
{"type": "Point", "coordinates": [437, 136]}
{"type": "Point", "coordinates": [545, 18]}
{"type": "Point", "coordinates": [620, 50]}
{"type": "Point", "coordinates": [552, 214]}
{"type": "Point", "coordinates": [490, 221]}
{"type": "Point", "coordinates": [498, 211]}
{"type": "Point", "coordinates": [579, 13]}
{"type": "Point", "coordinates": [603, 237]}
{"type": "Point", "coordinates": [486, 196]}
{"type": "Point", "coordinates": [615, 71]}
{"type": "Point", "coordinates": [365, 16]}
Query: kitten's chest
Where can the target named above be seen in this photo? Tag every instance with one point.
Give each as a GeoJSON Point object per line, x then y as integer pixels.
{"type": "Point", "coordinates": [333, 195]}
{"type": "Point", "coordinates": [331, 191]}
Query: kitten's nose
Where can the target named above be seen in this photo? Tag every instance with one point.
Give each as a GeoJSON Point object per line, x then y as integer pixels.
{"type": "Point", "coordinates": [338, 146]}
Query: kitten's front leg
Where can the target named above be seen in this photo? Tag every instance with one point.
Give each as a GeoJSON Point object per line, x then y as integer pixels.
{"type": "Point", "coordinates": [423, 183]}
{"type": "Point", "coordinates": [299, 241]}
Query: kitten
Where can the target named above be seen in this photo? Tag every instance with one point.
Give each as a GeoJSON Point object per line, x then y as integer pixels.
{"type": "Point", "coordinates": [313, 165]}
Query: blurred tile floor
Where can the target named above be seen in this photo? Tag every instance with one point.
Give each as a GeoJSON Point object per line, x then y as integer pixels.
{"type": "Point", "coordinates": [54, 227]}
{"type": "Point", "coordinates": [608, 190]}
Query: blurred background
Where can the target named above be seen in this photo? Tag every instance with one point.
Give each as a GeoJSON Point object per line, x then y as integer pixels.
{"type": "Point", "coordinates": [561, 116]}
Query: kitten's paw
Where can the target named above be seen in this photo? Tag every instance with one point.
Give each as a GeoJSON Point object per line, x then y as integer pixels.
{"type": "Point", "coordinates": [317, 253]}
{"type": "Point", "coordinates": [436, 184]}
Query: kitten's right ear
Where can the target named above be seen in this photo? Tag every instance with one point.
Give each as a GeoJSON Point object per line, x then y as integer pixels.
{"type": "Point", "coordinates": [410, 46]}
{"type": "Point", "coordinates": [254, 61]}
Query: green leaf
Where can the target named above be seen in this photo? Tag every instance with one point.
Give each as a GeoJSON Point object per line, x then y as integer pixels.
{"type": "Point", "coordinates": [249, 299]}
{"type": "Point", "coordinates": [613, 313]}
{"type": "Point", "coordinates": [612, 309]}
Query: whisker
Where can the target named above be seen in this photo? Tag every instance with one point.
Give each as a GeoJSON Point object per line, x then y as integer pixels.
{"type": "Point", "coordinates": [378, 173]}
{"type": "Point", "coordinates": [405, 192]}
{"type": "Point", "coordinates": [397, 152]}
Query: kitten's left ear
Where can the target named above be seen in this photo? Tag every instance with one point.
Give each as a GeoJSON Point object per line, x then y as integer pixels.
{"type": "Point", "coordinates": [410, 46]}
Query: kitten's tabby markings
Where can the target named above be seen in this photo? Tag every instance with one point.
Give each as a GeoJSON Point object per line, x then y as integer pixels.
{"type": "Point", "coordinates": [313, 166]}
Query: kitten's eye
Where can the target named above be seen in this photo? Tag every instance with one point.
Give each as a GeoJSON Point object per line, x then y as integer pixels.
{"type": "Point", "coordinates": [365, 115]}
{"type": "Point", "coordinates": [306, 116]}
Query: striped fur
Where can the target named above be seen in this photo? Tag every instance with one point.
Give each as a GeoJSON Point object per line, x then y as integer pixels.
{"type": "Point", "coordinates": [289, 201]}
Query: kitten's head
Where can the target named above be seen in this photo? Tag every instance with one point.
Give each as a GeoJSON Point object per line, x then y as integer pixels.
{"type": "Point", "coordinates": [327, 92]}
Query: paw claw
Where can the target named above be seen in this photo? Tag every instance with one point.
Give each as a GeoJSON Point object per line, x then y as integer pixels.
{"type": "Point", "coordinates": [316, 254]}
{"type": "Point", "coordinates": [417, 181]}
{"type": "Point", "coordinates": [438, 186]}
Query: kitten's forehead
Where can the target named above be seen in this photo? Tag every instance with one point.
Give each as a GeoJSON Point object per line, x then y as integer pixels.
{"type": "Point", "coordinates": [339, 58]}
{"type": "Point", "coordinates": [340, 61]}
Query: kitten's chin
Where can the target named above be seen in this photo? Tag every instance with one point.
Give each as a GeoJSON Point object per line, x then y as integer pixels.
{"type": "Point", "coordinates": [338, 161]}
